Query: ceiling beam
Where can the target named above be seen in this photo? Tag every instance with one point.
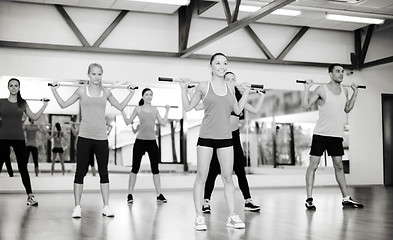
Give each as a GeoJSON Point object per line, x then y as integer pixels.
{"type": "Point", "coordinates": [263, 11]}
{"type": "Point", "coordinates": [366, 44]}
{"type": "Point", "coordinates": [110, 28]}
{"type": "Point", "coordinates": [378, 62]}
{"type": "Point", "coordinates": [259, 42]}
{"type": "Point", "coordinates": [230, 19]}
{"type": "Point", "coordinates": [205, 5]}
{"type": "Point", "coordinates": [72, 25]}
{"type": "Point", "coordinates": [55, 47]}
{"type": "Point", "coordinates": [236, 11]}
{"type": "Point", "coordinates": [293, 42]}
{"type": "Point", "coordinates": [185, 17]}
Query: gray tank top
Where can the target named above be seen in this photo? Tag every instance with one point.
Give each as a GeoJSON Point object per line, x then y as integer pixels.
{"type": "Point", "coordinates": [93, 124]}
{"type": "Point", "coordinates": [147, 123]}
{"type": "Point", "coordinates": [218, 108]}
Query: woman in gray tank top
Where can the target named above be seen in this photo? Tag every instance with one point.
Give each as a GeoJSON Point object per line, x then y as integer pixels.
{"type": "Point", "coordinates": [92, 133]}
{"type": "Point", "coordinates": [146, 141]}
{"type": "Point", "coordinates": [215, 134]}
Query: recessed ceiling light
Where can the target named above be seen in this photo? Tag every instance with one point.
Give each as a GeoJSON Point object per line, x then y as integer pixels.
{"type": "Point", "coordinates": [169, 2]}
{"type": "Point", "coordinates": [344, 18]}
{"type": "Point", "coordinates": [284, 12]}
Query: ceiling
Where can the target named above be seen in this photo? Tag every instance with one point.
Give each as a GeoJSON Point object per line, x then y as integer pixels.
{"type": "Point", "coordinates": [313, 11]}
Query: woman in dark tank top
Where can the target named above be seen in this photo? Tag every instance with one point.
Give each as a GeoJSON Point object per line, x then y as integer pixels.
{"type": "Point", "coordinates": [12, 135]}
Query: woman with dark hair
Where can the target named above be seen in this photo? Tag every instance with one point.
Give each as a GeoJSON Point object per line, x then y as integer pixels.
{"type": "Point", "coordinates": [57, 149]}
{"type": "Point", "coordinates": [146, 141]}
{"type": "Point", "coordinates": [12, 135]}
{"type": "Point", "coordinates": [239, 160]}
{"type": "Point", "coordinates": [92, 136]}
{"type": "Point", "coordinates": [215, 135]}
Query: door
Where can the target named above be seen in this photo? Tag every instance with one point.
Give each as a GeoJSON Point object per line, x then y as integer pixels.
{"type": "Point", "coordinates": [387, 128]}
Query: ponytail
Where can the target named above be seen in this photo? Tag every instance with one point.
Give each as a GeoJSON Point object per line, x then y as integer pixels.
{"type": "Point", "coordinates": [141, 102]}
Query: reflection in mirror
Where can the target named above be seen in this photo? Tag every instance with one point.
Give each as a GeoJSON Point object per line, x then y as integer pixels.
{"type": "Point", "coordinates": [280, 133]}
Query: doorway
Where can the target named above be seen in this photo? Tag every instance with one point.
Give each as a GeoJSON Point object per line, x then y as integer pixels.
{"type": "Point", "coordinates": [387, 131]}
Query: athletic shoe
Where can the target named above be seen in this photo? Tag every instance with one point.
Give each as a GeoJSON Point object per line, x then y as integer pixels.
{"type": "Point", "coordinates": [161, 198]}
{"type": "Point", "coordinates": [206, 206]}
{"type": "Point", "coordinates": [31, 201]}
{"type": "Point", "coordinates": [107, 211]}
{"type": "Point", "coordinates": [309, 204]}
{"type": "Point", "coordinates": [250, 206]}
{"type": "Point", "coordinates": [130, 199]}
{"type": "Point", "coordinates": [77, 213]}
{"type": "Point", "coordinates": [235, 222]}
{"type": "Point", "coordinates": [351, 203]}
{"type": "Point", "coordinates": [200, 224]}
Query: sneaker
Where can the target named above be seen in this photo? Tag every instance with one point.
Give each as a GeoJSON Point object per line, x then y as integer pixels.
{"type": "Point", "coordinates": [309, 205]}
{"type": "Point", "coordinates": [31, 201]}
{"type": "Point", "coordinates": [161, 198]}
{"type": "Point", "coordinates": [206, 206]}
{"type": "Point", "coordinates": [250, 206]}
{"type": "Point", "coordinates": [235, 222]}
{"type": "Point", "coordinates": [351, 203]}
{"type": "Point", "coordinates": [77, 213]}
{"type": "Point", "coordinates": [130, 199]}
{"type": "Point", "coordinates": [200, 224]}
{"type": "Point", "coordinates": [107, 211]}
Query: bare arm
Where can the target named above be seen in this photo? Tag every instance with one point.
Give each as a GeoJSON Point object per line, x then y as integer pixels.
{"type": "Point", "coordinates": [255, 109]}
{"type": "Point", "coordinates": [239, 106]}
{"type": "Point", "coordinates": [351, 102]}
{"type": "Point", "coordinates": [308, 99]}
{"type": "Point", "coordinates": [63, 104]}
{"type": "Point", "coordinates": [113, 101]}
{"type": "Point", "coordinates": [37, 115]}
{"type": "Point", "coordinates": [132, 117]}
{"type": "Point", "coordinates": [163, 121]}
{"type": "Point", "coordinates": [196, 98]}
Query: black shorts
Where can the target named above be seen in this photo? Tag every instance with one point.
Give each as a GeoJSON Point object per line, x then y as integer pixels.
{"type": "Point", "coordinates": [333, 145]}
{"type": "Point", "coordinates": [58, 150]}
{"type": "Point", "coordinates": [215, 143]}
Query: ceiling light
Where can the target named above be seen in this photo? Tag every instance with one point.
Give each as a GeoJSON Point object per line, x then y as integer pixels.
{"type": "Point", "coordinates": [284, 12]}
{"type": "Point", "coordinates": [287, 12]}
{"type": "Point", "coordinates": [169, 2]}
{"type": "Point", "coordinates": [246, 8]}
{"type": "Point", "coordinates": [344, 18]}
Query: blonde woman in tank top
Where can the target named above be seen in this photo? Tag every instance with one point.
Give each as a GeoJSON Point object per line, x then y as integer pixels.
{"type": "Point", "coordinates": [215, 134]}
{"type": "Point", "coordinates": [92, 136]}
{"type": "Point", "coordinates": [333, 104]}
{"type": "Point", "coordinates": [146, 141]}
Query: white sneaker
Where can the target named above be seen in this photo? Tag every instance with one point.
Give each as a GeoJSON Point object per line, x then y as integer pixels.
{"type": "Point", "coordinates": [235, 222]}
{"type": "Point", "coordinates": [200, 224]}
{"type": "Point", "coordinates": [107, 211]}
{"type": "Point", "coordinates": [77, 213]}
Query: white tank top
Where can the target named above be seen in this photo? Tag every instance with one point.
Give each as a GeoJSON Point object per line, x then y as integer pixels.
{"type": "Point", "coordinates": [332, 116]}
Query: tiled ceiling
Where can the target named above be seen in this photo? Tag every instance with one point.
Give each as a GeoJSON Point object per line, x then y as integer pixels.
{"type": "Point", "coordinates": [313, 11]}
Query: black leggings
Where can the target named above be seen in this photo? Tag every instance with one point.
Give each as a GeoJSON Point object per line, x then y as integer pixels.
{"type": "Point", "coordinates": [85, 147]}
{"type": "Point", "coordinates": [34, 152]}
{"type": "Point", "coordinates": [19, 147]}
{"type": "Point", "coordinates": [238, 166]}
{"type": "Point", "coordinates": [140, 148]}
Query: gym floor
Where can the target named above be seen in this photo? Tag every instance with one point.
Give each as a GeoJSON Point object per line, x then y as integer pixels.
{"type": "Point", "coordinates": [283, 216]}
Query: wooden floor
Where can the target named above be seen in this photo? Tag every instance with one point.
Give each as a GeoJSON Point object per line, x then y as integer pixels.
{"type": "Point", "coordinates": [283, 216]}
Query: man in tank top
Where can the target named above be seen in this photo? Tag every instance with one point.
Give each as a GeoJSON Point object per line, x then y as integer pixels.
{"type": "Point", "coordinates": [333, 105]}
